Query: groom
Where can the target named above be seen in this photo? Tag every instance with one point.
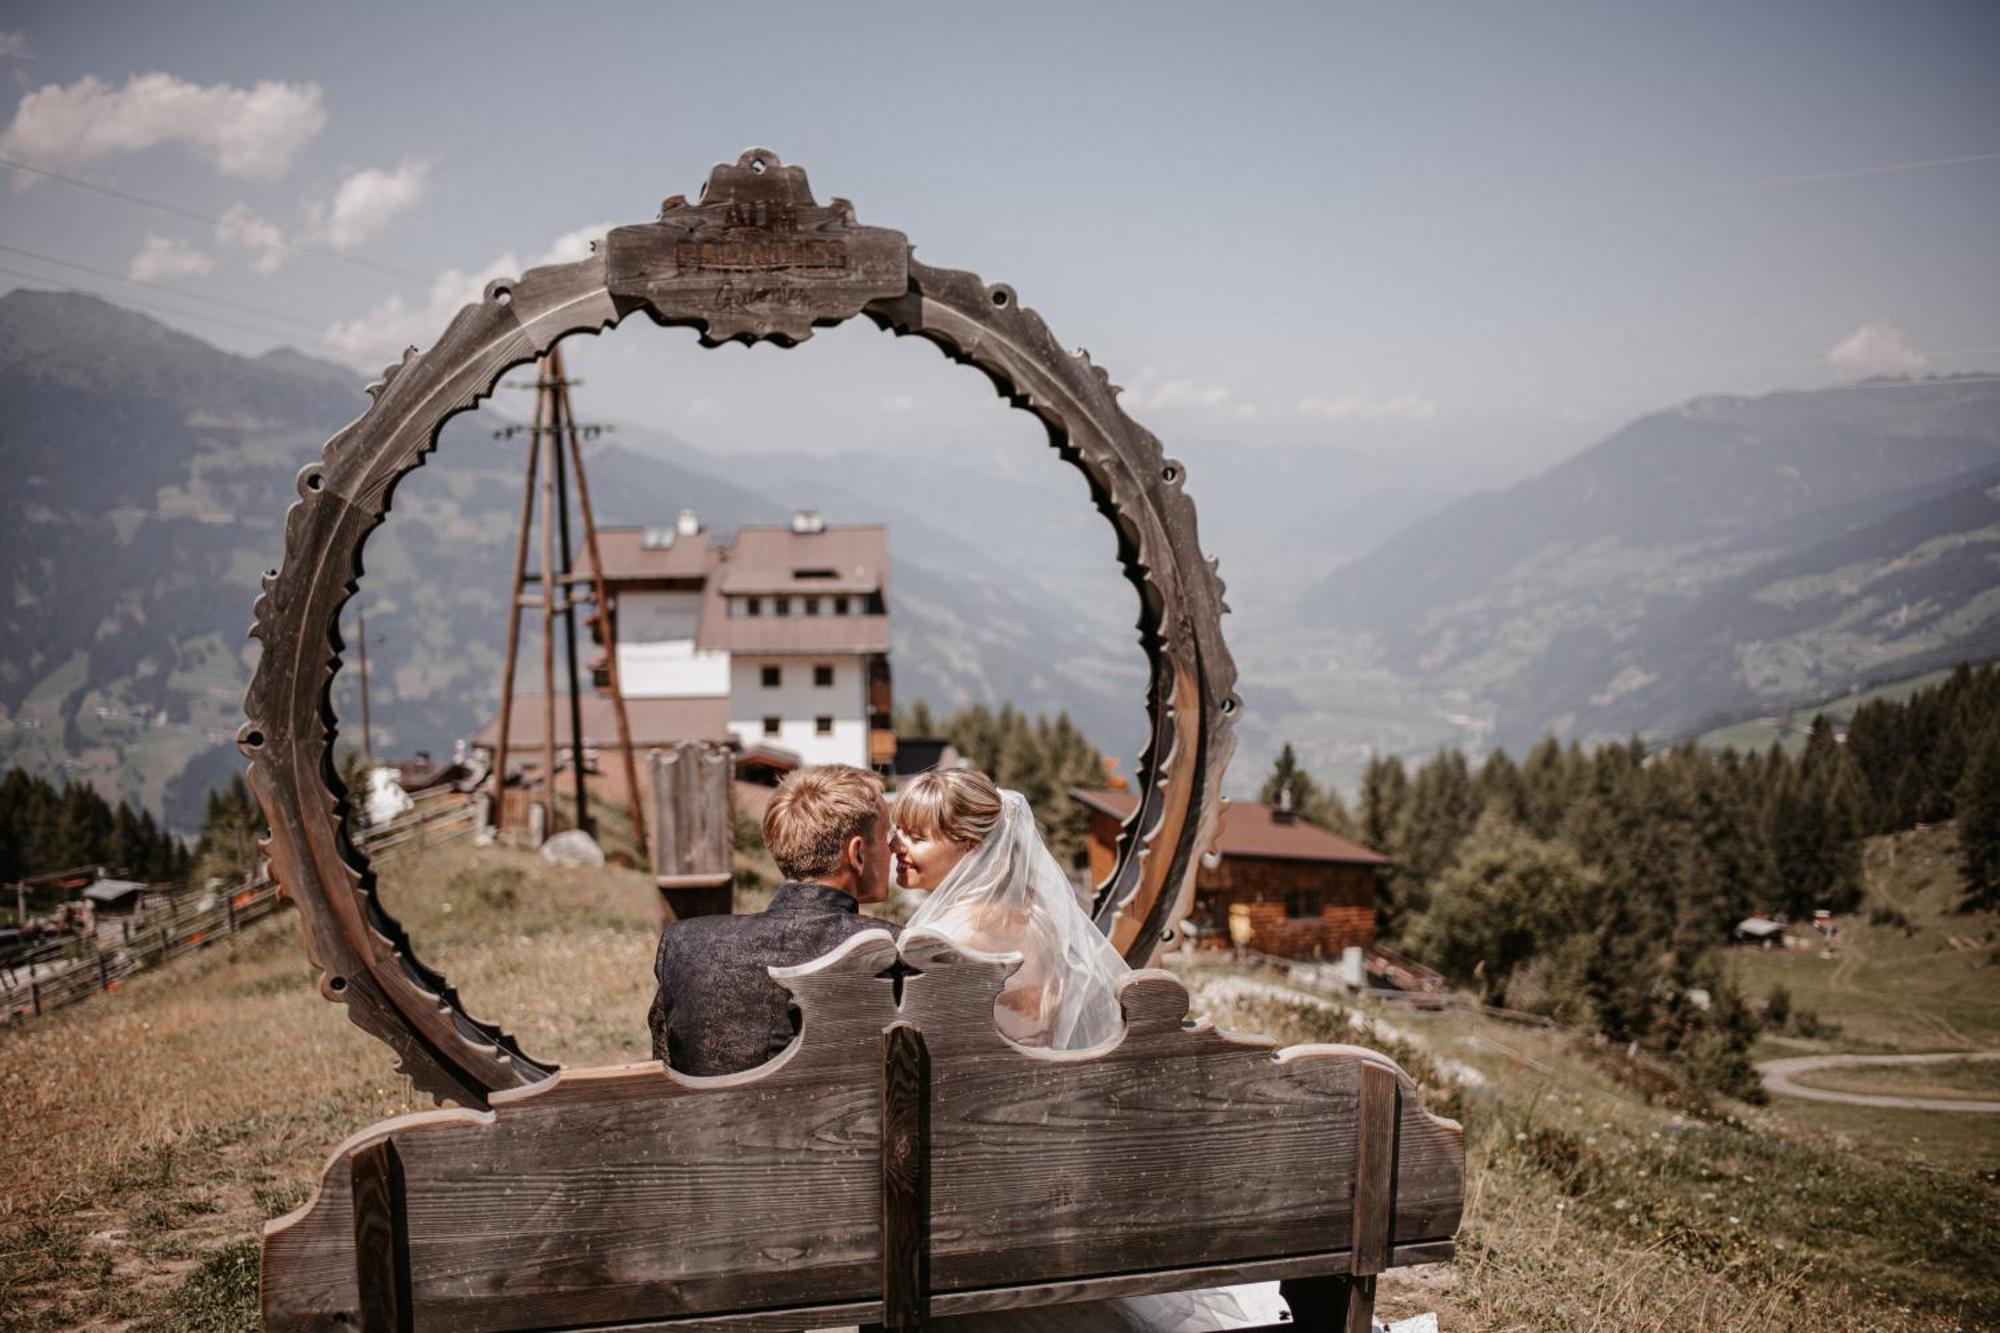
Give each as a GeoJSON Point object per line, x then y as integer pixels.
{"type": "Point", "coordinates": [717, 1010]}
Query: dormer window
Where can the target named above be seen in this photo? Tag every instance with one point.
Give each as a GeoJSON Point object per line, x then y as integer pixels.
{"type": "Point", "coordinates": [812, 606]}
{"type": "Point", "coordinates": [781, 606]}
{"type": "Point", "coordinates": [753, 606]}
{"type": "Point", "coordinates": [840, 606]}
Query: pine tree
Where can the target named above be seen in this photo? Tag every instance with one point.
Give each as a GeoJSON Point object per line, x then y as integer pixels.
{"type": "Point", "coordinates": [1978, 802]}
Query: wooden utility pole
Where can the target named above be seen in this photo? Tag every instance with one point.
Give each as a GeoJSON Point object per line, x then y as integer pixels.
{"type": "Point", "coordinates": [555, 422]}
{"type": "Point", "coordinates": [601, 604]}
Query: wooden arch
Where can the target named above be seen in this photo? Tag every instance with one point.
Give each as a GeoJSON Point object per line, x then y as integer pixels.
{"type": "Point", "coordinates": [754, 258]}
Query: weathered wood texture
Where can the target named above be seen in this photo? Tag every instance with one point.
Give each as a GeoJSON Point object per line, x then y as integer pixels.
{"type": "Point", "coordinates": [755, 258]}
{"type": "Point", "coordinates": [906, 1156]}
{"type": "Point", "coordinates": [1177, 1156]}
{"type": "Point", "coordinates": [694, 837]}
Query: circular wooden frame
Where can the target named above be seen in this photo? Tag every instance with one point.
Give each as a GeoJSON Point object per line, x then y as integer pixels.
{"type": "Point", "coordinates": [755, 258]}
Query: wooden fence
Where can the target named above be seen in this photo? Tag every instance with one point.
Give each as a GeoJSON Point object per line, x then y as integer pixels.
{"type": "Point", "coordinates": [191, 920]}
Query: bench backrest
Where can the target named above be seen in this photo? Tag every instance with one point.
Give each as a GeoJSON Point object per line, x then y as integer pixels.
{"type": "Point", "coordinates": [901, 1160]}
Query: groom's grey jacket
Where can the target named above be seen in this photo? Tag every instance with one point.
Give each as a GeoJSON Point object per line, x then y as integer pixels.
{"type": "Point", "coordinates": [717, 1011]}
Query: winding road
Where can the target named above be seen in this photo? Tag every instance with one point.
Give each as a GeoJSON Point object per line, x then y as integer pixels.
{"type": "Point", "coordinates": [1777, 1076]}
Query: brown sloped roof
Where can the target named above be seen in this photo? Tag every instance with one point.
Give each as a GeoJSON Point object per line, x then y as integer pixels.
{"type": "Point", "coordinates": [653, 721]}
{"type": "Point", "coordinates": [626, 556]}
{"type": "Point", "coordinates": [770, 556]}
{"type": "Point", "coordinates": [1252, 828]}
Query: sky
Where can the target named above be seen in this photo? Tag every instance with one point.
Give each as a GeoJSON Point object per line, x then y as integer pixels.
{"type": "Point", "coordinates": [1466, 238]}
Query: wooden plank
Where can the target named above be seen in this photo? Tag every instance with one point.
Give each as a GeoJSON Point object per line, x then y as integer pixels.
{"type": "Point", "coordinates": [905, 1178]}
{"type": "Point", "coordinates": [381, 1239]}
{"type": "Point", "coordinates": [1375, 1169]}
{"type": "Point", "coordinates": [1178, 1156]}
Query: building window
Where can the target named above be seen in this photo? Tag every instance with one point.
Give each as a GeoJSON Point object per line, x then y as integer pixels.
{"type": "Point", "coordinates": [753, 606]}
{"type": "Point", "coordinates": [812, 606]}
{"type": "Point", "coordinates": [773, 677]}
{"type": "Point", "coordinates": [840, 606]}
{"type": "Point", "coordinates": [771, 725]}
{"type": "Point", "coordinates": [823, 674]}
{"type": "Point", "coordinates": [822, 726]}
{"type": "Point", "coordinates": [1302, 903]}
{"type": "Point", "coordinates": [781, 606]}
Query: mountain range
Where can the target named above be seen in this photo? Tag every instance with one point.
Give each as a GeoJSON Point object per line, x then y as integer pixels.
{"type": "Point", "coordinates": [1728, 556]}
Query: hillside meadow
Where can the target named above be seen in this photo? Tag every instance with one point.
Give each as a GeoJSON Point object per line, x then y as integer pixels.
{"type": "Point", "coordinates": [148, 1134]}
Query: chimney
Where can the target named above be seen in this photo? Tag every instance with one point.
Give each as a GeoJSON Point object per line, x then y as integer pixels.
{"type": "Point", "coordinates": [688, 524]}
{"type": "Point", "coordinates": [1283, 813]}
{"type": "Point", "coordinates": [807, 521]}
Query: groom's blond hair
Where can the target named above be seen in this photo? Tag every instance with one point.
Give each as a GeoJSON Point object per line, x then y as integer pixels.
{"type": "Point", "coordinates": [813, 814]}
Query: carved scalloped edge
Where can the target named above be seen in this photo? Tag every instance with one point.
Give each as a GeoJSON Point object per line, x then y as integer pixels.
{"type": "Point", "coordinates": [1116, 490]}
{"type": "Point", "coordinates": [388, 940]}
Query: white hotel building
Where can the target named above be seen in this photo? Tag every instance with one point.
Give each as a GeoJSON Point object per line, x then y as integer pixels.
{"type": "Point", "coordinates": [777, 640]}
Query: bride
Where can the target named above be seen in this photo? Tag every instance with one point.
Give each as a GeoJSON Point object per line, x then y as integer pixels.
{"type": "Point", "coordinates": [995, 887]}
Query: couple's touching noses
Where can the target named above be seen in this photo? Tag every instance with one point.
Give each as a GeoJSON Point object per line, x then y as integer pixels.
{"type": "Point", "coordinates": [991, 885]}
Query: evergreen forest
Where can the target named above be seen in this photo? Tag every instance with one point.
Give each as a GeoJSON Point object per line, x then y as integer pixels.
{"type": "Point", "coordinates": [1595, 885]}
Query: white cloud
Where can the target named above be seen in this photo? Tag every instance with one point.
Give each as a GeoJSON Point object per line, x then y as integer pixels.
{"type": "Point", "coordinates": [13, 45]}
{"type": "Point", "coordinates": [368, 201]}
{"type": "Point", "coordinates": [1875, 349]}
{"type": "Point", "coordinates": [249, 133]}
{"type": "Point", "coordinates": [242, 229]}
{"type": "Point", "coordinates": [898, 402]}
{"type": "Point", "coordinates": [162, 258]}
{"type": "Point", "coordinates": [383, 333]}
{"type": "Point", "coordinates": [1367, 407]}
{"type": "Point", "coordinates": [1151, 392]}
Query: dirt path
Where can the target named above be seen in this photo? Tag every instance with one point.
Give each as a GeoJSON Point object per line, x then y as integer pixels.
{"type": "Point", "coordinates": [1778, 1079]}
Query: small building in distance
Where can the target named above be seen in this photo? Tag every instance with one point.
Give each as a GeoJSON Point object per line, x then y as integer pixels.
{"type": "Point", "coordinates": [1292, 888]}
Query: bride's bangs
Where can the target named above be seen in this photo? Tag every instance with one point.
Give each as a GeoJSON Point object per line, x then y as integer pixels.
{"type": "Point", "coordinates": [920, 808]}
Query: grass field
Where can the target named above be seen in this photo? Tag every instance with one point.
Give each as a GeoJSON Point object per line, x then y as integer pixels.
{"type": "Point", "coordinates": [148, 1135]}
{"type": "Point", "coordinates": [1970, 1080]}
{"type": "Point", "coordinates": [1789, 729]}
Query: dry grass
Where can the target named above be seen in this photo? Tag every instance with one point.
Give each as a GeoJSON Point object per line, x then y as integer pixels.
{"type": "Point", "coordinates": [1589, 1209]}
{"type": "Point", "coordinates": [149, 1134]}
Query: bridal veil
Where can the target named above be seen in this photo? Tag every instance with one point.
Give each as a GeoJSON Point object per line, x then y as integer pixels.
{"type": "Point", "coordinates": [1010, 896]}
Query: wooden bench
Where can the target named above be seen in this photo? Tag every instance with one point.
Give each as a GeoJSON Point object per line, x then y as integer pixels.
{"type": "Point", "coordinates": [900, 1162]}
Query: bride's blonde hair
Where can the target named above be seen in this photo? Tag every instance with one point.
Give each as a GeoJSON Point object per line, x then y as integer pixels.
{"type": "Point", "coordinates": [958, 804]}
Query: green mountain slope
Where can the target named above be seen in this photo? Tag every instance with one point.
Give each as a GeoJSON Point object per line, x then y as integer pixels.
{"type": "Point", "coordinates": [149, 475]}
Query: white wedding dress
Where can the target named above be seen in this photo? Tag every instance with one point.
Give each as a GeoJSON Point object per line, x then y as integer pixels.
{"type": "Point", "coordinates": [1009, 896]}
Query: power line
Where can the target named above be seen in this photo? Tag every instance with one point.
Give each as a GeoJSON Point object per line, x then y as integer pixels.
{"type": "Point", "coordinates": [314, 326]}
{"type": "Point", "coordinates": [162, 206]}
{"type": "Point", "coordinates": [151, 307]}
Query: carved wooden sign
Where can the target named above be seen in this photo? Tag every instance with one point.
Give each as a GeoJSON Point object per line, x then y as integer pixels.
{"type": "Point", "coordinates": [755, 258]}
{"type": "Point", "coordinates": [901, 1157]}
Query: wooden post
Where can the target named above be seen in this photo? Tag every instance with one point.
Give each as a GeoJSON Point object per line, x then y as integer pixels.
{"type": "Point", "coordinates": [381, 1239]}
{"type": "Point", "coordinates": [35, 994]}
{"type": "Point", "coordinates": [1346, 1304]}
{"type": "Point", "coordinates": [103, 971]}
{"type": "Point", "coordinates": [605, 631]}
{"type": "Point", "coordinates": [563, 550]}
{"type": "Point", "coordinates": [549, 626]}
{"type": "Point", "coordinates": [514, 625]}
{"type": "Point", "coordinates": [906, 1242]}
{"type": "Point", "coordinates": [229, 906]}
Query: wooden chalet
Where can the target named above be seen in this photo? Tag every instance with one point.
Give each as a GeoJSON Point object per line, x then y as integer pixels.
{"type": "Point", "coordinates": [1292, 888]}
